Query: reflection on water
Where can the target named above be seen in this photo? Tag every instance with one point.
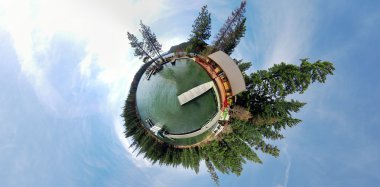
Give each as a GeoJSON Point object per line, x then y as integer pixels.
{"type": "Point", "coordinates": [157, 98]}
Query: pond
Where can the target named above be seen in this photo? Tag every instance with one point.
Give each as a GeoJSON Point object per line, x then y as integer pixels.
{"type": "Point", "coordinates": [157, 98]}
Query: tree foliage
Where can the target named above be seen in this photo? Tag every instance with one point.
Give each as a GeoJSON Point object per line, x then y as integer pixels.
{"type": "Point", "coordinates": [211, 170]}
{"type": "Point", "coordinates": [232, 39]}
{"type": "Point", "coordinates": [243, 66]}
{"type": "Point", "coordinates": [201, 31]}
{"type": "Point", "coordinates": [139, 48]}
{"type": "Point", "coordinates": [150, 41]}
{"type": "Point", "coordinates": [232, 30]}
{"type": "Point", "coordinates": [266, 95]}
{"type": "Point", "coordinates": [281, 80]}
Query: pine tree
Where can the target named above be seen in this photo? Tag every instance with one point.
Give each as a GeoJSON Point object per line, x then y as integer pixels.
{"type": "Point", "coordinates": [139, 49]}
{"type": "Point", "coordinates": [232, 39]}
{"type": "Point", "coordinates": [243, 66]}
{"type": "Point", "coordinates": [232, 30]}
{"type": "Point", "coordinates": [211, 170]}
{"type": "Point", "coordinates": [201, 31]}
{"type": "Point", "coordinates": [150, 41]}
{"type": "Point", "coordinates": [266, 100]}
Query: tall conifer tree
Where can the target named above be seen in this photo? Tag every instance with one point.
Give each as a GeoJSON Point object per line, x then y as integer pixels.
{"type": "Point", "coordinates": [150, 41]}
{"type": "Point", "coordinates": [201, 31]}
{"type": "Point", "coordinates": [139, 48]}
{"type": "Point", "coordinates": [232, 30]}
{"type": "Point", "coordinates": [211, 170]}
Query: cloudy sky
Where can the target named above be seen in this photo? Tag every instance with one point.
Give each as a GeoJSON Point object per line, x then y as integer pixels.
{"type": "Point", "coordinates": [66, 66]}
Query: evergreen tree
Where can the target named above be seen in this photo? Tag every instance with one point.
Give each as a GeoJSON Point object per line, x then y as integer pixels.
{"type": "Point", "coordinates": [211, 170]}
{"type": "Point", "coordinates": [266, 100]}
{"type": "Point", "coordinates": [232, 39]}
{"type": "Point", "coordinates": [139, 48]}
{"type": "Point", "coordinates": [243, 66]}
{"type": "Point", "coordinates": [150, 41]}
{"type": "Point", "coordinates": [284, 79]}
{"type": "Point", "coordinates": [232, 30]}
{"type": "Point", "coordinates": [201, 31]}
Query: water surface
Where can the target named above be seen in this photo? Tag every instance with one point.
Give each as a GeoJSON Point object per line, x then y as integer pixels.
{"type": "Point", "coordinates": [157, 97]}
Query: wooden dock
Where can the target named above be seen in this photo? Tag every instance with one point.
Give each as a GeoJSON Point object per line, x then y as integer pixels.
{"type": "Point", "coordinates": [211, 123]}
{"type": "Point", "coordinates": [194, 92]}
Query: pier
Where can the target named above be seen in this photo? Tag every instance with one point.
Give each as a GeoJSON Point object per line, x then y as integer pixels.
{"type": "Point", "coordinates": [194, 92]}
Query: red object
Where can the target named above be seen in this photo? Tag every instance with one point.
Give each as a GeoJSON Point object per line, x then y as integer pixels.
{"type": "Point", "coordinates": [225, 103]}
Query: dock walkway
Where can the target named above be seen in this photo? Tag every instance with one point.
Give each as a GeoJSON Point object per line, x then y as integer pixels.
{"type": "Point", "coordinates": [211, 123]}
{"type": "Point", "coordinates": [194, 92]}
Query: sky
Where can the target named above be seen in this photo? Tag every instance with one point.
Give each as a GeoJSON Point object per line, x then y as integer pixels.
{"type": "Point", "coordinates": [66, 67]}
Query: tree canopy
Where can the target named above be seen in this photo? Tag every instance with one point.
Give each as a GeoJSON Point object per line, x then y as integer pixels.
{"type": "Point", "coordinates": [201, 31]}
{"type": "Point", "coordinates": [139, 48]}
{"type": "Point", "coordinates": [150, 41]}
{"type": "Point", "coordinates": [232, 30]}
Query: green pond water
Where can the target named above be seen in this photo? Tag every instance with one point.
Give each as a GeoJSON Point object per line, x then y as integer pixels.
{"type": "Point", "coordinates": [157, 97]}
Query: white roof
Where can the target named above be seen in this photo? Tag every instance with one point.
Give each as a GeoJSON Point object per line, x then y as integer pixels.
{"type": "Point", "coordinates": [231, 69]}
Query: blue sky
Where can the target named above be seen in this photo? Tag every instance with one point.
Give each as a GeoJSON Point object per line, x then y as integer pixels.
{"type": "Point", "coordinates": [66, 67]}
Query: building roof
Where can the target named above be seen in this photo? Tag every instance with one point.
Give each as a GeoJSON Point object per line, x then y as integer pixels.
{"type": "Point", "coordinates": [231, 69]}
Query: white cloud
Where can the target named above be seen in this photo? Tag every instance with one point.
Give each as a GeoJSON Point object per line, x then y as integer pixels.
{"type": "Point", "coordinates": [286, 28]}
{"type": "Point", "coordinates": [284, 150]}
{"type": "Point", "coordinates": [289, 164]}
{"type": "Point", "coordinates": [100, 25]}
